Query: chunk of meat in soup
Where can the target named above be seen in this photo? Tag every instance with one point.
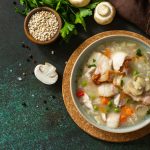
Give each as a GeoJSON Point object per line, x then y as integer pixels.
{"type": "Point", "coordinates": [118, 59]}
{"type": "Point", "coordinates": [107, 90]}
{"type": "Point", "coordinates": [104, 64]}
{"type": "Point", "coordinates": [113, 120]}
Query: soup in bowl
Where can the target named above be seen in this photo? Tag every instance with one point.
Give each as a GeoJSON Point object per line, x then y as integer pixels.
{"type": "Point", "coordinates": [110, 84]}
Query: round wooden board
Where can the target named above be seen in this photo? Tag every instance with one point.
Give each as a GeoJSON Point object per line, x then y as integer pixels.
{"type": "Point", "coordinates": [71, 108]}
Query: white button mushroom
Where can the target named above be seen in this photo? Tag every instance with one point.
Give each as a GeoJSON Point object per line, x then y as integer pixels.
{"type": "Point", "coordinates": [104, 13]}
{"type": "Point", "coordinates": [79, 3]}
{"type": "Point", "coordinates": [46, 73]}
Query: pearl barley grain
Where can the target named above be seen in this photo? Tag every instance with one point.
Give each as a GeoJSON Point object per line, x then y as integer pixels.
{"type": "Point", "coordinates": [43, 25]}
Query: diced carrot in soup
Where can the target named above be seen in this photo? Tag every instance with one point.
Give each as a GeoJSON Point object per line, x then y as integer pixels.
{"type": "Point", "coordinates": [104, 100]}
{"type": "Point", "coordinates": [127, 110]}
{"type": "Point", "coordinates": [123, 118]}
{"type": "Point", "coordinates": [107, 52]}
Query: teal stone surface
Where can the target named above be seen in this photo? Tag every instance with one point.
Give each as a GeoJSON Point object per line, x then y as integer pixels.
{"type": "Point", "coordinates": [33, 115]}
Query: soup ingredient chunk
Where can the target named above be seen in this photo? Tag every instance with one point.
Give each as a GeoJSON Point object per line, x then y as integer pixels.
{"type": "Point", "coordinates": [104, 64]}
{"type": "Point", "coordinates": [86, 101]}
{"type": "Point", "coordinates": [118, 59]}
{"type": "Point", "coordinates": [107, 90]}
{"type": "Point", "coordinates": [113, 120]}
{"type": "Point", "coordinates": [141, 110]}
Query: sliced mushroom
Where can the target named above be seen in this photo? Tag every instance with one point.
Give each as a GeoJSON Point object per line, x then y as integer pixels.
{"type": "Point", "coordinates": [139, 84]}
{"type": "Point", "coordinates": [113, 120]}
{"type": "Point", "coordinates": [132, 119]}
{"type": "Point", "coordinates": [46, 73]}
{"type": "Point", "coordinates": [118, 59]}
{"type": "Point", "coordinates": [79, 3]}
{"type": "Point", "coordinates": [132, 90]}
{"type": "Point", "coordinates": [135, 87]}
{"type": "Point", "coordinates": [107, 90]}
{"type": "Point", "coordinates": [141, 110]}
{"type": "Point", "coordinates": [104, 13]}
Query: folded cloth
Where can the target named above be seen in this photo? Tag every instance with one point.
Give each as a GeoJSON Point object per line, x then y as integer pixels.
{"type": "Point", "coordinates": [135, 11]}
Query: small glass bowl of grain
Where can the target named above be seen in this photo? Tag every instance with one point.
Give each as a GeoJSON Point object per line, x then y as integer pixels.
{"type": "Point", "coordinates": [42, 25]}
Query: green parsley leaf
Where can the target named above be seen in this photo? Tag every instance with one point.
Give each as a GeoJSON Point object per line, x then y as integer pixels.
{"type": "Point", "coordinates": [67, 28]}
{"type": "Point", "coordinates": [122, 82]}
{"type": "Point", "coordinates": [92, 65]}
{"type": "Point", "coordinates": [138, 52]}
{"type": "Point", "coordinates": [22, 2]}
{"type": "Point", "coordinates": [94, 60]}
{"type": "Point", "coordinates": [50, 3]}
{"type": "Point", "coordinates": [58, 5]}
{"type": "Point", "coordinates": [93, 5]}
{"type": "Point", "coordinates": [135, 73]}
{"type": "Point", "coordinates": [81, 15]}
{"type": "Point", "coordinates": [80, 20]}
{"type": "Point", "coordinates": [148, 112]}
{"type": "Point", "coordinates": [85, 12]}
{"type": "Point", "coordinates": [84, 83]}
{"type": "Point", "coordinates": [96, 108]}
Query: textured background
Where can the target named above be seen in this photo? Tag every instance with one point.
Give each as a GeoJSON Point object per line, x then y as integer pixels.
{"type": "Point", "coordinates": [32, 115]}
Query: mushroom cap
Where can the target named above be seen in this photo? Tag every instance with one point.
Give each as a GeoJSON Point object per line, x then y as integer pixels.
{"type": "Point", "coordinates": [46, 73]}
{"type": "Point", "coordinates": [79, 3]}
{"type": "Point", "coordinates": [104, 13]}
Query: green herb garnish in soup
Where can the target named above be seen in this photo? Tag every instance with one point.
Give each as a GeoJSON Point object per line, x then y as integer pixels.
{"type": "Point", "coordinates": [139, 52]}
{"type": "Point", "coordinates": [92, 65]}
{"type": "Point", "coordinates": [110, 85]}
{"type": "Point", "coordinates": [135, 73]}
{"type": "Point", "coordinates": [94, 60]}
{"type": "Point", "coordinates": [122, 82]}
{"type": "Point", "coordinates": [84, 83]}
